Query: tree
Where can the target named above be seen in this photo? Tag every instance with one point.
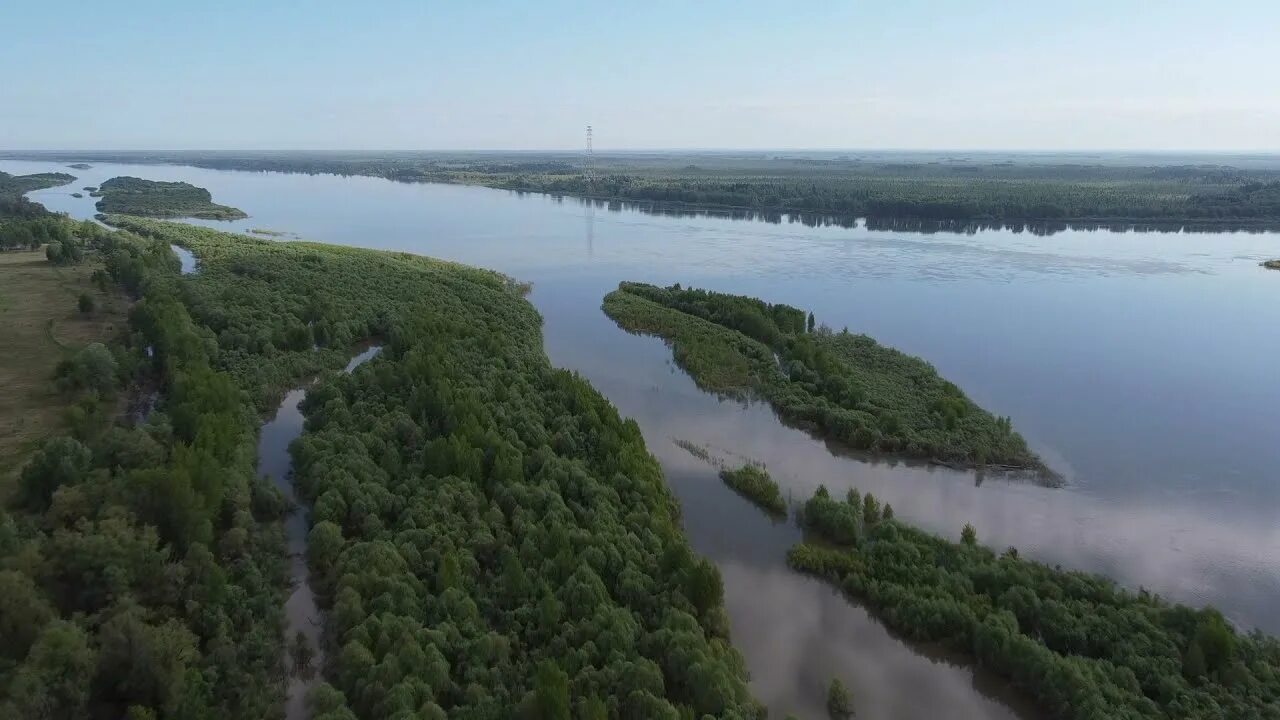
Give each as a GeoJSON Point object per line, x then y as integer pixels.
{"type": "Point", "coordinates": [54, 680]}
{"type": "Point", "coordinates": [968, 535]}
{"type": "Point", "coordinates": [61, 461]}
{"type": "Point", "coordinates": [85, 303]}
{"type": "Point", "coordinates": [551, 692]}
{"type": "Point", "coordinates": [839, 701]}
{"type": "Point", "coordinates": [810, 323]}
{"type": "Point", "coordinates": [888, 512]}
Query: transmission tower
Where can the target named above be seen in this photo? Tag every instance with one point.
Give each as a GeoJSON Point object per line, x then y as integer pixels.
{"type": "Point", "coordinates": [589, 163]}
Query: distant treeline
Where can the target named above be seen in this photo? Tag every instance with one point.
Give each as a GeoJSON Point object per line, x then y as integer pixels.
{"type": "Point", "coordinates": [1080, 646]}
{"type": "Point", "coordinates": [941, 192]}
{"type": "Point", "coordinates": [843, 386]}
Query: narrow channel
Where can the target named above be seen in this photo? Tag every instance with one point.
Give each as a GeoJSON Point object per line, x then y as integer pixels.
{"type": "Point", "coordinates": [301, 613]}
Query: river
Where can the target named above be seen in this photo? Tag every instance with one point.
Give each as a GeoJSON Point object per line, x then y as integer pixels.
{"type": "Point", "coordinates": [301, 613]}
{"type": "Point", "coordinates": [1140, 365]}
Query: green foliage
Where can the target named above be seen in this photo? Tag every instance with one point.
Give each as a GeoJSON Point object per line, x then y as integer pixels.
{"type": "Point", "coordinates": [148, 586]}
{"type": "Point", "coordinates": [151, 198]}
{"type": "Point", "coordinates": [839, 701]}
{"type": "Point", "coordinates": [93, 368]}
{"type": "Point", "coordinates": [753, 482]}
{"type": "Point", "coordinates": [85, 304]}
{"type": "Point", "coordinates": [842, 386]}
{"type": "Point", "coordinates": [478, 516]}
{"type": "Point", "coordinates": [1079, 645]}
{"type": "Point", "coordinates": [834, 521]}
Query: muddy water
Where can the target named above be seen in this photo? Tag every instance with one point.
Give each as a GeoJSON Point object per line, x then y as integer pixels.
{"type": "Point", "coordinates": [1139, 364]}
{"type": "Point", "coordinates": [301, 613]}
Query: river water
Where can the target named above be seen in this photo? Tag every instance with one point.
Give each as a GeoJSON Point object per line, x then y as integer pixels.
{"type": "Point", "coordinates": [301, 613]}
{"type": "Point", "coordinates": [1140, 365]}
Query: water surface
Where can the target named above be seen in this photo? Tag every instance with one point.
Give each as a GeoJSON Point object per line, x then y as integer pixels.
{"type": "Point", "coordinates": [1141, 365]}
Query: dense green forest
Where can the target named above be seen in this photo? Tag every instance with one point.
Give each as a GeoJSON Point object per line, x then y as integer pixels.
{"type": "Point", "coordinates": [1079, 645]}
{"type": "Point", "coordinates": [753, 482]}
{"type": "Point", "coordinates": [490, 537]}
{"type": "Point", "coordinates": [841, 385]}
{"type": "Point", "coordinates": [141, 565]}
{"type": "Point", "coordinates": [911, 191]}
{"type": "Point", "coordinates": [13, 206]}
{"type": "Point", "coordinates": [151, 198]}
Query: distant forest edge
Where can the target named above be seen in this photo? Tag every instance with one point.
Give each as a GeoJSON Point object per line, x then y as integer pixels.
{"type": "Point", "coordinates": [898, 193]}
{"type": "Point", "coordinates": [839, 385]}
{"type": "Point", "coordinates": [151, 198]}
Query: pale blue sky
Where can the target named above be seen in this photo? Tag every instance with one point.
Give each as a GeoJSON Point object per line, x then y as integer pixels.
{"type": "Point", "coordinates": [399, 74]}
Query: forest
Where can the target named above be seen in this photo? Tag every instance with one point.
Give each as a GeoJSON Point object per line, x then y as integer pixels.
{"type": "Point", "coordinates": [1075, 642]}
{"type": "Point", "coordinates": [13, 206]}
{"type": "Point", "coordinates": [840, 385]}
{"type": "Point", "coordinates": [936, 192]}
{"type": "Point", "coordinates": [490, 538]}
{"type": "Point", "coordinates": [152, 198]}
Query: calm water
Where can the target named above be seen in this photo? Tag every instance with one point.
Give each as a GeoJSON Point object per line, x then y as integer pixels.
{"type": "Point", "coordinates": [301, 613]}
{"type": "Point", "coordinates": [1141, 365]}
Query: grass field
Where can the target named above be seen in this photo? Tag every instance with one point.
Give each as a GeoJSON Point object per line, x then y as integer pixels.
{"type": "Point", "coordinates": [39, 325]}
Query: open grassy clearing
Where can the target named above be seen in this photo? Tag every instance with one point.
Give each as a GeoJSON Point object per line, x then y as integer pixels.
{"type": "Point", "coordinates": [40, 325]}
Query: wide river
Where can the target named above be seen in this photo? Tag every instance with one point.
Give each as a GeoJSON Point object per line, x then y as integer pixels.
{"type": "Point", "coordinates": [1143, 366]}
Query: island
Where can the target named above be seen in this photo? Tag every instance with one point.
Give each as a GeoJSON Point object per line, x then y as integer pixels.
{"type": "Point", "coordinates": [839, 385]}
{"type": "Point", "coordinates": [77, 195]}
{"type": "Point", "coordinates": [80, 166]}
{"type": "Point", "coordinates": [1080, 646]}
{"type": "Point", "coordinates": [1271, 264]}
{"type": "Point", "coordinates": [754, 483]}
{"type": "Point", "coordinates": [151, 198]}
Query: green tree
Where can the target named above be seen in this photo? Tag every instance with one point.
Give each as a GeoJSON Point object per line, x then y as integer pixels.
{"type": "Point", "coordinates": [85, 303]}
{"type": "Point", "coordinates": [54, 680]}
{"type": "Point", "coordinates": [551, 692]}
{"type": "Point", "coordinates": [968, 535]}
{"type": "Point", "coordinates": [839, 701]}
{"type": "Point", "coordinates": [60, 461]}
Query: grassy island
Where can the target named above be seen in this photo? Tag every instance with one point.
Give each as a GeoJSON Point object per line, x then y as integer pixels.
{"type": "Point", "coordinates": [753, 483]}
{"type": "Point", "coordinates": [1271, 264]}
{"type": "Point", "coordinates": [80, 166]}
{"type": "Point", "coordinates": [1079, 645]}
{"type": "Point", "coordinates": [151, 198]}
{"type": "Point", "coordinates": [841, 386]}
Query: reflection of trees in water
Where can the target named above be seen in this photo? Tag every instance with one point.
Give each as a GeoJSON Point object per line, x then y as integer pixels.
{"type": "Point", "coordinates": [891, 224]}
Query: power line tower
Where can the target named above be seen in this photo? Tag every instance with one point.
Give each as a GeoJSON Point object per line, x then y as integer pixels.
{"type": "Point", "coordinates": [589, 163]}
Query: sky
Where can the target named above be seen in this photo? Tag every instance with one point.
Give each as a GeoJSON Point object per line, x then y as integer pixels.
{"type": "Point", "coordinates": [493, 74]}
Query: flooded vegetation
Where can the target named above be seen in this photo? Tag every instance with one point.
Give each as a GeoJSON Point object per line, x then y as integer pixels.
{"type": "Point", "coordinates": [1081, 646]}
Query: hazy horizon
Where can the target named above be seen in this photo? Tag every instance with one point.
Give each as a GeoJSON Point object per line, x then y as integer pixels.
{"type": "Point", "coordinates": [398, 76]}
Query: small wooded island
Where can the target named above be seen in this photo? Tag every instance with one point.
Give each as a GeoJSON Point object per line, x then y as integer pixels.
{"type": "Point", "coordinates": [1080, 646]}
{"type": "Point", "coordinates": [151, 198]}
{"type": "Point", "coordinates": [1272, 264]}
{"type": "Point", "coordinates": [839, 385]}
